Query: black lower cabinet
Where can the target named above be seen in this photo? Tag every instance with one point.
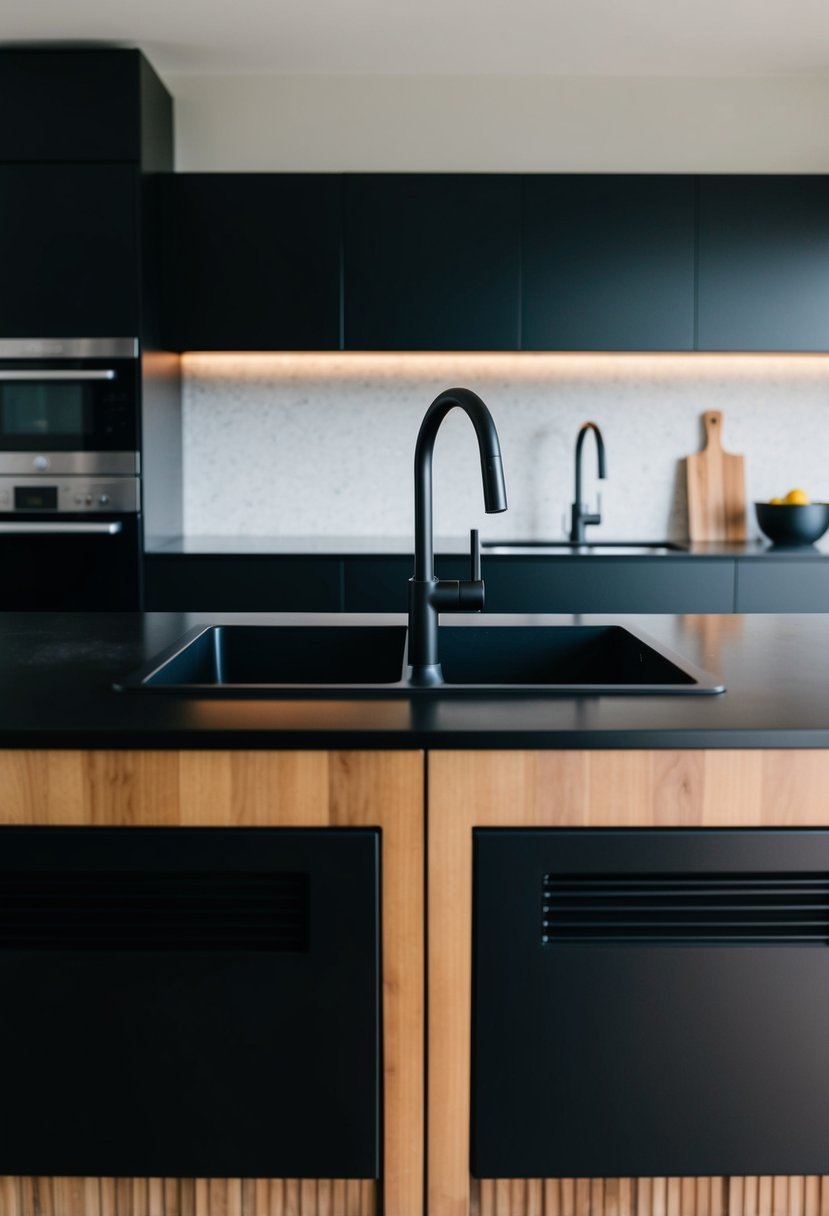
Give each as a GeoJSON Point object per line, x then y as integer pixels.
{"type": "Point", "coordinates": [782, 585]}
{"type": "Point", "coordinates": [189, 1002]}
{"type": "Point", "coordinates": [245, 583]}
{"type": "Point", "coordinates": [584, 584]}
{"type": "Point", "coordinates": [650, 1003]}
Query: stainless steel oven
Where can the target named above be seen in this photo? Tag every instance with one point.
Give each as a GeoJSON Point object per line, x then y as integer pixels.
{"type": "Point", "coordinates": [70, 491]}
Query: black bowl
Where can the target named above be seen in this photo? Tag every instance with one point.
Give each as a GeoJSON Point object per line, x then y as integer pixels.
{"type": "Point", "coordinates": [793, 525]}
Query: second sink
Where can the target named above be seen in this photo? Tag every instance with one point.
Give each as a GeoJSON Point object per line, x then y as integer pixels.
{"type": "Point", "coordinates": [615, 548]}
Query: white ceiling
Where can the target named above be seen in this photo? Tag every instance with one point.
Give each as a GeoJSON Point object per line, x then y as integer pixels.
{"type": "Point", "coordinates": [445, 37]}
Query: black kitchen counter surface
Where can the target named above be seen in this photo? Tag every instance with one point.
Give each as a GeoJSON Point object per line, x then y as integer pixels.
{"type": "Point", "coordinates": [449, 546]}
{"type": "Point", "coordinates": [57, 670]}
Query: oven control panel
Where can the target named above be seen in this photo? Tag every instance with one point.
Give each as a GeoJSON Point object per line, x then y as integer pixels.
{"type": "Point", "coordinates": [118, 495]}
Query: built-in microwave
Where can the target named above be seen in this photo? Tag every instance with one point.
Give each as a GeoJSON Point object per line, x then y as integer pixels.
{"type": "Point", "coordinates": [70, 490]}
{"type": "Point", "coordinates": [69, 405]}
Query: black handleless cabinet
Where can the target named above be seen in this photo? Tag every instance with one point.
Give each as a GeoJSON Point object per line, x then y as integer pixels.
{"type": "Point", "coordinates": [69, 105]}
{"type": "Point", "coordinates": [608, 263]}
{"type": "Point", "coordinates": [69, 250]}
{"type": "Point", "coordinates": [432, 262]}
{"type": "Point", "coordinates": [253, 261]}
{"type": "Point", "coordinates": [85, 132]}
{"type": "Point", "coordinates": [650, 1003]}
{"type": "Point", "coordinates": [763, 263]}
{"type": "Point", "coordinates": [97, 104]}
{"type": "Point", "coordinates": [190, 1002]}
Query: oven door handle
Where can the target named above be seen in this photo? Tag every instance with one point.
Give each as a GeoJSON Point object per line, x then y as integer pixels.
{"type": "Point", "coordinates": [48, 529]}
{"type": "Point", "coordinates": [107, 373]}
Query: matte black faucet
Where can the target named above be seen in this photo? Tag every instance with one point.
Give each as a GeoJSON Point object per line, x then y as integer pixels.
{"type": "Point", "coordinates": [579, 513]}
{"type": "Point", "coordinates": [429, 596]}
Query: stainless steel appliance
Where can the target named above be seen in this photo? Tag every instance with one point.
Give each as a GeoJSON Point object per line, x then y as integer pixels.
{"type": "Point", "coordinates": [70, 492]}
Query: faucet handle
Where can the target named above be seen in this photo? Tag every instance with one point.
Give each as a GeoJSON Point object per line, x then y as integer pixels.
{"type": "Point", "coordinates": [474, 555]}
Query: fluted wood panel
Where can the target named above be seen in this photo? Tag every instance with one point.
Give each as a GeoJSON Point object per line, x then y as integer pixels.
{"type": "Point", "coordinates": [688, 788]}
{"type": "Point", "coordinates": [257, 789]}
{"type": "Point", "coordinates": [650, 1197]}
{"type": "Point", "coordinates": [187, 1197]}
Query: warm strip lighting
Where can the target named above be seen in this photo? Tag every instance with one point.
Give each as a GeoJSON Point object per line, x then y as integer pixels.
{"type": "Point", "coordinates": [458, 367]}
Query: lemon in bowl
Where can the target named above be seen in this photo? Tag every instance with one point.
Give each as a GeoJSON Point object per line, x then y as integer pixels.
{"type": "Point", "coordinates": [793, 519]}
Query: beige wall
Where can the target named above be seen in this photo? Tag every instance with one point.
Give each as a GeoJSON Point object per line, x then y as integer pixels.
{"type": "Point", "coordinates": [501, 124]}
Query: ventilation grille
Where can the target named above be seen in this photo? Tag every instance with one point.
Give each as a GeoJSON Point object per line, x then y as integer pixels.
{"type": "Point", "coordinates": [728, 908]}
{"type": "Point", "coordinates": [140, 911]}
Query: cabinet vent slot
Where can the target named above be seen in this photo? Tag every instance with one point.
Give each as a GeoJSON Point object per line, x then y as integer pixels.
{"type": "Point", "coordinates": [111, 910]}
{"type": "Point", "coordinates": [738, 909]}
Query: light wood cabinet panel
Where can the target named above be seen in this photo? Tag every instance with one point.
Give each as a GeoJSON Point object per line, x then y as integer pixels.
{"type": "Point", "coordinates": [255, 789]}
{"type": "Point", "coordinates": [558, 789]}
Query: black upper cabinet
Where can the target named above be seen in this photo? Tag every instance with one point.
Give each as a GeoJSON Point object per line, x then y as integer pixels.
{"type": "Point", "coordinates": [608, 263]}
{"type": "Point", "coordinates": [253, 261]}
{"type": "Point", "coordinates": [69, 251]}
{"type": "Point", "coordinates": [85, 133]}
{"type": "Point", "coordinates": [764, 263]}
{"type": "Point", "coordinates": [83, 105]}
{"type": "Point", "coordinates": [432, 262]}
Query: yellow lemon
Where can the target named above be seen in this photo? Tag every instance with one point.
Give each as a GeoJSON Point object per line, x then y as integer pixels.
{"type": "Point", "coordinates": [797, 498]}
{"type": "Point", "coordinates": [775, 502]}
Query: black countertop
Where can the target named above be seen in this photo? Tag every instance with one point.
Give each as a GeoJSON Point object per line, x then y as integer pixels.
{"type": "Point", "coordinates": [453, 546]}
{"type": "Point", "coordinates": [57, 670]}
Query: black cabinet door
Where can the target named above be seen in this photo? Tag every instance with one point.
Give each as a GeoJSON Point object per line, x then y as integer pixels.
{"type": "Point", "coordinates": [432, 262]}
{"type": "Point", "coordinates": [69, 251]}
{"type": "Point", "coordinates": [602, 584]}
{"type": "Point", "coordinates": [219, 1002]}
{"type": "Point", "coordinates": [253, 583]}
{"type": "Point", "coordinates": [649, 1003]}
{"type": "Point", "coordinates": [608, 263]}
{"type": "Point", "coordinates": [253, 261]}
{"type": "Point", "coordinates": [763, 263]}
{"type": "Point", "coordinates": [784, 585]}
{"type": "Point", "coordinates": [69, 105]}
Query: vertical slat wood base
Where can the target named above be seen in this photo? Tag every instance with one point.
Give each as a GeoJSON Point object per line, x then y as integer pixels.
{"type": "Point", "coordinates": [187, 1197]}
{"type": "Point", "coordinates": [794, 1196]}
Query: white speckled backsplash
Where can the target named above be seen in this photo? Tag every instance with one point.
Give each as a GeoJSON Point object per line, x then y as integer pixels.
{"type": "Point", "coordinates": [323, 444]}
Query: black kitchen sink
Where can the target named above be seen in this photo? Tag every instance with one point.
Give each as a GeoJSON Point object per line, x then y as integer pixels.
{"type": "Point", "coordinates": [358, 661]}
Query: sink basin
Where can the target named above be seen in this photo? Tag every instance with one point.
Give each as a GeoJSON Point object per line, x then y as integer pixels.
{"type": "Point", "coordinates": [617, 548]}
{"type": "Point", "coordinates": [360, 661]}
{"type": "Point", "coordinates": [227, 657]}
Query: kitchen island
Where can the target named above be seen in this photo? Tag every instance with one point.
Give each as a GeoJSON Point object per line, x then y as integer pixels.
{"type": "Point", "coordinates": [76, 752]}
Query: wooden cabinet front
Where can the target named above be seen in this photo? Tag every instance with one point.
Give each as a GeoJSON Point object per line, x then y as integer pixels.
{"type": "Point", "coordinates": [381, 790]}
{"type": "Point", "coordinates": [591, 790]}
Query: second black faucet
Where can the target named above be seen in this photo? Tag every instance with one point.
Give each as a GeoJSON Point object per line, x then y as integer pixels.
{"type": "Point", "coordinates": [579, 514]}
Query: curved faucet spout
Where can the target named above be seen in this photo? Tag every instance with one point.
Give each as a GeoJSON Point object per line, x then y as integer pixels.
{"type": "Point", "coordinates": [492, 474]}
{"type": "Point", "coordinates": [429, 596]}
{"type": "Point", "coordinates": [580, 516]}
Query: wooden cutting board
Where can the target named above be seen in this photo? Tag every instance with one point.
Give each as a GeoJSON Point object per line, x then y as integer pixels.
{"type": "Point", "coordinates": [716, 488]}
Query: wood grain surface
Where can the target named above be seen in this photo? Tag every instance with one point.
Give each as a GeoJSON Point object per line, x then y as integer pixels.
{"type": "Point", "coordinates": [187, 1197]}
{"type": "Point", "coordinates": [584, 789]}
{"type": "Point", "coordinates": [256, 789]}
{"type": "Point", "coordinates": [651, 1197]}
{"type": "Point", "coordinates": [716, 488]}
